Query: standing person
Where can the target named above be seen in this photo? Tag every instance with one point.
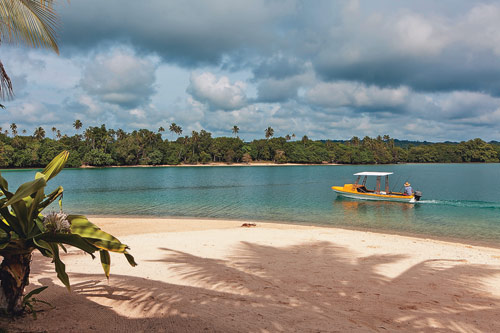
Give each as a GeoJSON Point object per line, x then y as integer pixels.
{"type": "Point", "coordinates": [408, 189]}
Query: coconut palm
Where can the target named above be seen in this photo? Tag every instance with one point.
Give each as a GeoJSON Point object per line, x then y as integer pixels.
{"type": "Point", "coordinates": [58, 135]}
{"type": "Point", "coordinates": [174, 128]}
{"type": "Point", "coordinates": [54, 130]}
{"type": "Point", "coordinates": [13, 128]}
{"type": "Point", "coordinates": [30, 22]}
{"type": "Point", "coordinates": [77, 124]}
{"type": "Point", "coordinates": [269, 132]}
{"type": "Point", "coordinates": [236, 129]}
{"type": "Point", "coordinates": [39, 133]}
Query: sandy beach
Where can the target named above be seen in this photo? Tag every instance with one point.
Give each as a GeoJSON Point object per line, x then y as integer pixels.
{"type": "Point", "coordinates": [199, 275]}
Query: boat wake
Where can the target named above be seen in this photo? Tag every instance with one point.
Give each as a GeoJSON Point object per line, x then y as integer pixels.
{"type": "Point", "coordinates": [463, 203]}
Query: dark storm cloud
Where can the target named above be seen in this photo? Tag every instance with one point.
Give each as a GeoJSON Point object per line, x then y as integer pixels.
{"type": "Point", "coordinates": [184, 32]}
{"type": "Point", "coordinates": [453, 71]}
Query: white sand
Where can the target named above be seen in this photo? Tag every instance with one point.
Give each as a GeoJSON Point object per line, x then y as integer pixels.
{"type": "Point", "coordinates": [215, 276]}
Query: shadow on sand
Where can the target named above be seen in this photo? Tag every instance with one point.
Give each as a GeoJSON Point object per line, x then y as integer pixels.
{"type": "Point", "coordinates": [312, 287]}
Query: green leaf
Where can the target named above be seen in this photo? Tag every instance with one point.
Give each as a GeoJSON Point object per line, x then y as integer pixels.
{"type": "Point", "coordinates": [60, 266]}
{"type": "Point", "coordinates": [82, 226]}
{"type": "Point", "coordinates": [33, 210]}
{"type": "Point", "coordinates": [25, 190]}
{"type": "Point", "coordinates": [105, 262]}
{"type": "Point", "coordinates": [70, 239]}
{"type": "Point", "coordinates": [33, 292]}
{"type": "Point", "coordinates": [56, 165]}
{"type": "Point", "coordinates": [50, 198]}
{"type": "Point", "coordinates": [4, 185]}
{"type": "Point", "coordinates": [44, 247]}
{"type": "Point", "coordinates": [130, 259]}
{"type": "Point", "coordinates": [21, 216]}
{"type": "Point", "coordinates": [11, 220]}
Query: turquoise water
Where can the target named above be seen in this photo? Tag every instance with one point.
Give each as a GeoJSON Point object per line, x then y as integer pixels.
{"type": "Point", "coordinates": [459, 200]}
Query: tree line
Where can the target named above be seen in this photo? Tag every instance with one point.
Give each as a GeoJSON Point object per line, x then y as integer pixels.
{"type": "Point", "coordinates": [99, 146]}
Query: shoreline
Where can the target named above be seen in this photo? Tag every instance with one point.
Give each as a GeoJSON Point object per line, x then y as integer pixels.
{"type": "Point", "coordinates": [251, 164]}
{"type": "Point", "coordinates": [444, 239]}
{"type": "Point", "coordinates": [202, 275]}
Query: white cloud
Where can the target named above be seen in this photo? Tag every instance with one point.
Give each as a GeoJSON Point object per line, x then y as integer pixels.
{"type": "Point", "coordinates": [351, 94]}
{"type": "Point", "coordinates": [218, 94]}
{"type": "Point", "coordinates": [120, 77]}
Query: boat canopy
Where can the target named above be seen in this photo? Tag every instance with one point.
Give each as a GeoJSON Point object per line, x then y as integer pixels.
{"type": "Point", "coordinates": [370, 173]}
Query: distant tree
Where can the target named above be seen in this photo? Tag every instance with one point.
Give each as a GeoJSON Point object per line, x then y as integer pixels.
{"type": "Point", "coordinates": [174, 128]}
{"type": "Point", "coordinates": [58, 135]}
{"type": "Point", "coordinates": [77, 125]}
{"type": "Point", "coordinates": [39, 133]}
{"type": "Point", "coordinates": [54, 130]}
{"type": "Point", "coordinates": [24, 131]}
{"type": "Point", "coordinates": [13, 128]}
{"type": "Point", "coordinates": [304, 140]}
{"type": "Point", "coordinates": [236, 129]}
{"type": "Point", "coordinates": [269, 132]}
{"type": "Point", "coordinates": [293, 136]}
{"type": "Point", "coordinates": [161, 129]}
{"type": "Point", "coordinates": [287, 137]}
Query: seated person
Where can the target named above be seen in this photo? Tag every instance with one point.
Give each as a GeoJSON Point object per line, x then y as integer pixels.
{"type": "Point", "coordinates": [408, 189]}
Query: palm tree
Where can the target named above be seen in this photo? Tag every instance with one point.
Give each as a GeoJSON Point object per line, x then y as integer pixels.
{"type": "Point", "coordinates": [236, 129]}
{"type": "Point", "coordinates": [24, 131]}
{"type": "Point", "coordinates": [161, 129]}
{"type": "Point", "coordinates": [174, 128]}
{"type": "Point", "coordinates": [39, 133]}
{"type": "Point", "coordinates": [54, 130]}
{"type": "Point", "coordinates": [293, 136]}
{"type": "Point", "coordinates": [77, 124]}
{"type": "Point", "coordinates": [32, 23]}
{"type": "Point", "coordinates": [287, 137]}
{"type": "Point", "coordinates": [305, 139]}
{"type": "Point", "coordinates": [58, 135]}
{"type": "Point", "coordinates": [269, 132]}
{"type": "Point", "coordinates": [13, 128]}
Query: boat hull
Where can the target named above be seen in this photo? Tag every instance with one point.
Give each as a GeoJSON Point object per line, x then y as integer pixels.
{"type": "Point", "coordinates": [372, 196]}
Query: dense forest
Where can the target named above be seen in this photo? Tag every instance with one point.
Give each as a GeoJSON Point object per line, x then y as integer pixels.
{"type": "Point", "coordinates": [99, 146]}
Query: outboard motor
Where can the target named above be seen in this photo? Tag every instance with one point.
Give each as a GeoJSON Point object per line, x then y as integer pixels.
{"type": "Point", "coordinates": [417, 195]}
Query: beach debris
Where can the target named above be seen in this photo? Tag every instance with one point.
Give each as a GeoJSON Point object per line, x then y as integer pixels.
{"type": "Point", "coordinates": [248, 225]}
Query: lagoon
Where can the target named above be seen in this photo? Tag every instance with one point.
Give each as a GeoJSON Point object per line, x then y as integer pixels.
{"type": "Point", "coordinates": [460, 201]}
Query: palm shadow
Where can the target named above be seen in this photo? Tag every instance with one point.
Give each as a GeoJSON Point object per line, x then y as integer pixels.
{"type": "Point", "coordinates": [315, 286]}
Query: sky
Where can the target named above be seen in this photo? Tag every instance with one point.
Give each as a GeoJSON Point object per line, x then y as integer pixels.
{"type": "Point", "coordinates": [415, 70]}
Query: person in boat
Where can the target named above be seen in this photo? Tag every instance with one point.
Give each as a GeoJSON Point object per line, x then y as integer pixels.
{"type": "Point", "coordinates": [408, 189]}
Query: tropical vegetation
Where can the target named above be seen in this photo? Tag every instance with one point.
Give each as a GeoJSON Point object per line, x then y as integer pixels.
{"type": "Point", "coordinates": [100, 146]}
{"type": "Point", "coordinates": [24, 229]}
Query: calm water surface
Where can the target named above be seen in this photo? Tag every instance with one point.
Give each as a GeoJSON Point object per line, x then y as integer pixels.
{"type": "Point", "coordinates": [459, 200]}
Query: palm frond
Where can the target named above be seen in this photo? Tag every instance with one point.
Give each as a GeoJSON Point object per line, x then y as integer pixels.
{"type": "Point", "coordinates": [32, 22]}
{"type": "Point", "coordinates": [6, 90]}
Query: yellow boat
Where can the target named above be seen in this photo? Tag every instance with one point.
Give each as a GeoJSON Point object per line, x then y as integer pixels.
{"type": "Point", "coordinates": [359, 191]}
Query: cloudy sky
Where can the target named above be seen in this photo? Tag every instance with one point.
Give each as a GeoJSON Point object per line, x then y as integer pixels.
{"type": "Point", "coordinates": [418, 70]}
